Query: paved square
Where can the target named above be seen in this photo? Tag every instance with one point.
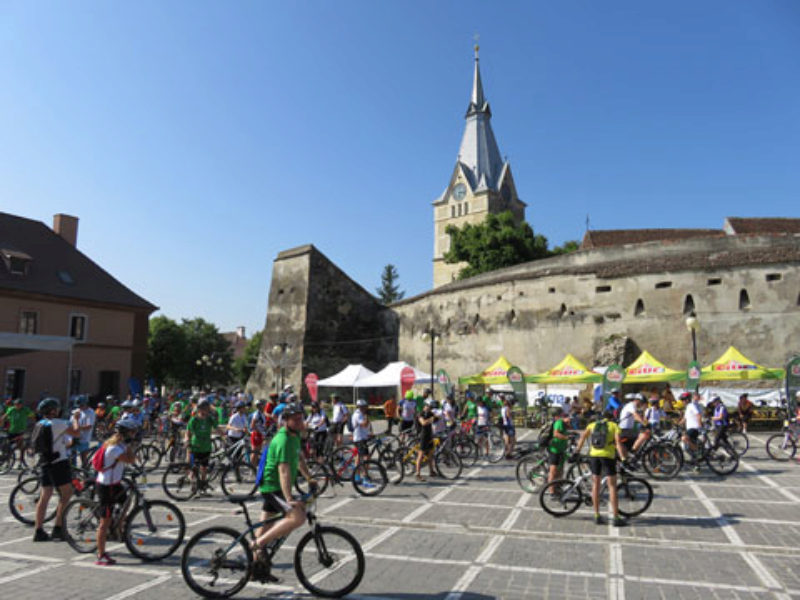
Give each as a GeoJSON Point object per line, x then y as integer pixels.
{"type": "Point", "coordinates": [481, 538]}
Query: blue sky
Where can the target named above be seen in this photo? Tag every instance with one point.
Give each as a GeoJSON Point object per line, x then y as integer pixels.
{"type": "Point", "coordinates": [196, 140]}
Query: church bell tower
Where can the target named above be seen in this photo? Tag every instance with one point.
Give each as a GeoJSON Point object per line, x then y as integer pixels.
{"type": "Point", "coordinates": [480, 184]}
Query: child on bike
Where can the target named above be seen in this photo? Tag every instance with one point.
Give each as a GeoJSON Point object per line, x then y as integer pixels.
{"type": "Point", "coordinates": [118, 450]}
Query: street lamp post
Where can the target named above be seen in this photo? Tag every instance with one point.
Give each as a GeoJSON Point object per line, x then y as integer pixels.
{"type": "Point", "coordinates": [434, 337]}
{"type": "Point", "coordinates": [693, 325]}
{"type": "Point", "coordinates": [206, 362]}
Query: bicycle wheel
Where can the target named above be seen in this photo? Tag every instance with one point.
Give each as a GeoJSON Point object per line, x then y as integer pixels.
{"type": "Point", "coordinates": [467, 450]}
{"type": "Point", "coordinates": [238, 479]}
{"type": "Point", "coordinates": [319, 473]}
{"type": "Point", "coordinates": [177, 482]}
{"type": "Point", "coordinates": [781, 447]}
{"type": "Point", "coordinates": [369, 478]}
{"type": "Point", "coordinates": [23, 500]}
{"type": "Point", "coordinates": [329, 562]}
{"type": "Point", "coordinates": [448, 464]}
{"type": "Point", "coordinates": [634, 496]}
{"type": "Point", "coordinates": [394, 467]}
{"type": "Point", "coordinates": [343, 462]}
{"type": "Point", "coordinates": [155, 530]}
{"type": "Point", "coordinates": [560, 497]}
{"type": "Point", "coordinates": [661, 461]}
{"type": "Point", "coordinates": [6, 458]}
{"type": "Point", "coordinates": [148, 457]}
{"type": "Point", "coordinates": [497, 448]}
{"type": "Point", "coordinates": [81, 519]}
{"type": "Point", "coordinates": [216, 562]}
{"type": "Point", "coordinates": [739, 441]}
{"type": "Point", "coordinates": [723, 460]}
{"type": "Point", "coordinates": [532, 473]}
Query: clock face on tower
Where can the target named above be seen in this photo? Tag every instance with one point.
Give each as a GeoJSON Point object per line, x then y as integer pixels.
{"type": "Point", "coordinates": [459, 192]}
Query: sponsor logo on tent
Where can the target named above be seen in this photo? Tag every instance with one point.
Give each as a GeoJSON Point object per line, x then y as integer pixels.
{"type": "Point", "coordinates": [646, 369]}
{"type": "Point", "coordinates": [515, 377]}
{"type": "Point", "coordinates": [734, 365]}
{"type": "Point", "coordinates": [498, 372]}
{"type": "Point", "coordinates": [694, 373]}
{"type": "Point", "coordinates": [443, 379]}
{"type": "Point", "coordinates": [796, 370]}
{"type": "Point", "coordinates": [566, 372]}
{"type": "Point", "coordinates": [614, 375]}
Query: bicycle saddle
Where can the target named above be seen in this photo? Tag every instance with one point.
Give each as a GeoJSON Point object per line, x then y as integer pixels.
{"type": "Point", "coordinates": [241, 498]}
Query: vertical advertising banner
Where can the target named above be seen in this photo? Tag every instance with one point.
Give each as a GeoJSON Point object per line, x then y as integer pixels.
{"type": "Point", "coordinates": [612, 380]}
{"type": "Point", "coordinates": [693, 376]}
{"type": "Point", "coordinates": [792, 384]}
{"type": "Point", "coordinates": [406, 380]}
{"type": "Point", "coordinates": [443, 379]}
{"type": "Point", "coordinates": [517, 381]}
{"type": "Point", "coordinates": [311, 383]}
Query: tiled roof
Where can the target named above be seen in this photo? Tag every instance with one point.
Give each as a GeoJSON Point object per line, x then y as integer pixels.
{"type": "Point", "coordinates": [57, 268]}
{"type": "Point", "coordinates": [620, 237]}
{"type": "Point", "coordinates": [744, 226]}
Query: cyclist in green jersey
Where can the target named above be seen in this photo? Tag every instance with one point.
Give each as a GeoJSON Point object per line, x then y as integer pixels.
{"type": "Point", "coordinates": [198, 437]}
{"type": "Point", "coordinates": [17, 415]}
{"type": "Point", "coordinates": [557, 449]}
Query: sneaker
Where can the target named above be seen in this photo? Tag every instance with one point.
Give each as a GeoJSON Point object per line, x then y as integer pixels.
{"type": "Point", "coordinates": [57, 534]}
{"type": "Point", "coordinates": [104, 560]}
{"type": "Point", "coordinates": [599, 520]}
{"type": "Point", "coordinates": [41, 536]}
{"type": "Point", "coordinates": [619, 522]}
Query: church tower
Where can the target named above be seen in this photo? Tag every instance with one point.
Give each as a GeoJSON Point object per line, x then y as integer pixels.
{"type": "Point", "coordinates": [480, 184]}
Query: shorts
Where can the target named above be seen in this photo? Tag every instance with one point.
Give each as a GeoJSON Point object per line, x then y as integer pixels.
{"type": "Point", "coordinates": [275, 502]}
{"type": "Point", "coordinates": [13, 437]}
{"type": "Point", "coordinates": [481, 430]}
{"type": "Point", "coordinates": [338, 428]}
{"type": "Point", "coordinates": [406, 425]}
{"type": "Point", "coordinates": [56, 474]}
{"type": "Point", "coordinates": [693, 434]}
{"type": "Point", "coordinates": [200, 458]}
{"type": "Point", "coordinates": [509, 430]}
{"type": "Point", "coordinates": [81, 446]}
{"type": "Point", "coordinates": [600, 466]}
{"type": "Point", "coordinates": [362, 448]}
{"type": "Point", "coordinates": [108, 496]}
{"type": "Point", "coordinates": [256, 439]}
{"type": "Point", "coordinates": [426, 444]}
{"type": "Point", "coordinates": [556, 459]}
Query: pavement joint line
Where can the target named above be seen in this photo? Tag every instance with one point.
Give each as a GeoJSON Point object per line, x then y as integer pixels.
{"type": "Point", "coordinates": [545, 571]}
{"type": "Point", "coordinates": [336, 505]}
{"type": "Point", "coordinates": [31, 557]}
{"type": "Point", "coordinates": [140, 588]}
{"type": "Point", "coordinates": [463, 582]}
{"type": "Point", "coordinates": [427, 561]}
{"type": "Point", "coordinates": [776, 486]}
{"type": "Point", "coordinates": [615, 582]}
{"type": "Point", "coordinates": [416, 512]}
{"type": "Point", "coordinates": [121, 568]}
{"type": "Point", "coordinates": [381, 537]}
{"type": "Point", "coordinates": [695, 583]}
{"type": "Point", "coordinates": [16, 541]}
{"type": "Point", "coordinates": [28, 573]}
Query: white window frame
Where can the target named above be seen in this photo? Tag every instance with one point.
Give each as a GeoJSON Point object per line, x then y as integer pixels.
{"type": "Point", "coordinates": [35, 312]}
{"type": "Point", "coordinates": [85, 326]}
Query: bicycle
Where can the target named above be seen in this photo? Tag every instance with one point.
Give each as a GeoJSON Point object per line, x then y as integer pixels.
{"type": "Point", "coordinates": [147, 527]}
{"type": "Point", "coordinates": [446, 462]}
{"type": "Point", "coordinates": [783, 446]}
{"type": "Point", "coordinates": [563, 497]}
{"type": "Point", "coordinates": [369, 477]}
{"type": "Point", "coordinates": [25, 496]}
{"type": "Point", "coordinates": [720, 456]}
{"type": "Point", "coordinates": [218, 562]}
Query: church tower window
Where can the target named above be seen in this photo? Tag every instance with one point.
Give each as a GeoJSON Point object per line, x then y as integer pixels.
{"type": "Point", "coordinates": [688, 304]}
{"type": "Point", "coordinates": [744, 300]}
{"type": "Point", "coordinates": [638, 310]}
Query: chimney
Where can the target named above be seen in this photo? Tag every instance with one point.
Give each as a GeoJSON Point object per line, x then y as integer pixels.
{"type": "Point", "coordinates": [67, 227]}
{"type": "Point", "coordinates": [240, 332]}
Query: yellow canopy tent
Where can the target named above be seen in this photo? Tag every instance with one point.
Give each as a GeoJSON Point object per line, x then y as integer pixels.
{"type": "Point", "coordinates": [733, 365]}
{"type": "Point", "coordinates": [496, 373]}
{"type": "Point", "coordinates": [569, 370]}
{"type": "Point", "coordinates": [647, 369]}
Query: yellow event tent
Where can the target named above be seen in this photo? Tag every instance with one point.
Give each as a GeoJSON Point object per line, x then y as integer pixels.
{"type": "Point", "coordinates": [495, 374]}
{"type": "Point", "coordinates": [733, 365]}
{"type": "Point", "coordinates": [646, 369]}
{"type": "Point", "coordinates": [569, 370]}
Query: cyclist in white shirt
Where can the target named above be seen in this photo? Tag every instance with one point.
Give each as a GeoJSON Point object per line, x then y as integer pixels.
{"type": "Point", "coordinates": [693, 420]}
{"type": "Point", "coordinates": [362, 428]}
{"type": "Point", "coordinates": [340, 413]}
{"type": "Point", "coordinates": [317, 424]}
{"type": "Point", "coordinates": [482, 425]}
{"type": "Point", "coordinates": [629, 416]}
{"type": "Point", "coordinates": [118, 450]}
{"type": "Point", "coordinates": [509, 432]}
{"type": "Point", "coordinates": [258, 431]}
{"type": "Point", "coordinates": [408, 410]}
{"type": "Point", "coordinates": [654, 414]}
{"type": "Point", "coordinates": [86, 420]}
{"type": "Point", "coordinates": [237, 424]}
{"type": "Point", "coordinates": [449, 413]}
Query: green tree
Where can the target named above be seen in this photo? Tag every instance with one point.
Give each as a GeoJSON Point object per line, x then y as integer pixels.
{"type": "Point", "coordinates": [166, 351]}
{"type": "Point", "coordinates": [495, 243]}
{"type": "Point", "coordinates": [244, 365]}
{"type": "Point", "coordinates": [566, 247]}
{"type": "Point", "coordinates": [389, 291]}
{"type": "Point", "coordinates": [209, 356]}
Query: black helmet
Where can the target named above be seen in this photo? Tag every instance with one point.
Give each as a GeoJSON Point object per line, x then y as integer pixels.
{"type": "Point", "coordinates": [292, 409]}
{"type": "Point", "coordinates": [48, 404]}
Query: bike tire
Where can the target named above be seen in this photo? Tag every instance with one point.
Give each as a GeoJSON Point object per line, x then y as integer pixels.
{"type": "Point", "coordinates": [319, 473]}
{"type": "Point", "coordinates": [81, 520]}
{"type": "Point", "coordinates": [448, 464]}
{"type": "Point", "coordinates": [394, 467]}
{"type": "Point", "coordinates": [177, 483]}
{"type": "Point", "coordinates": [210, 551]}
{"type": "Point", "coordinates": [467, 450]}
{"type": "Point", "coordinates": [23, 500]}
{"type": "Point", "coordinates": [322, 556]}
{"type": "Point", "coordinates": [634, 496]}
{"type": "Point", "coordinates": [497, 448]}
{"type": "Point", "coordinates": [139, 536]}
{"type": "Point", "coordinates": [781, 447]}
{"type": "Point", "coordinates": [739, 441]}
{"type": "Point", "coordinates": [369, 478]}
{"type": "Point", "coordinates": [7, 458]}
{"type": "Point", "coordinates": [148, 457]}
{"type": "Point", "coordinates": [723, 460]}
{"type": "Point", "coordinates": [531, 472]}
{"type": "Point", "coordinates": [239, 479]}
{"type": "Point", "coordinates": [661, 461]}
{"type": "Point", "coordinates": [560, 497]}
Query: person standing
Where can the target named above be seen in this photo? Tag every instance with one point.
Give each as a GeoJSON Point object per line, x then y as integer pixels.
{"type": "Point", "coordinates": [745, 411]}
{"type": "Point", "coordinates": [17, 416]}
{"type": "Point", "coordinates": [198, 439]}
{"type": "Point", "coordinates": [258, 431]}
{"type": "Point", "coordinates": [237, 426]}
{"type": "Point", "coordinates": [50, 442]}
{"type": "Point", "coordinates": [390, 412]}
{"type": "Point", "coordinates": [86, 421]}
{"type": "Point", "coordinates": [340, 416]}
{"type": "Point", "coordinates": [557, 449]}
{"type": "Point", "coordinates": [407, 411]}
{"type": "Point", "coordinates": [425, 420]}
{"type": "Point", "coordinates": [509, 432]}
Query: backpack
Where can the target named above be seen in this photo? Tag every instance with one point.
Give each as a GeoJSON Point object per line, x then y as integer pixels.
{"type": "Point", "coordinates": [599, 434]}
{"type": "Point", "coordinates": [262, 463]}
{"type": "Point", "coordinates": [98, 458]}
{"type": "Point", "coordinates": [42, 441]}
{"type": "Point", "coordinates": [545, 440]}
{"type": "Point", "coordinates": [349, 423]}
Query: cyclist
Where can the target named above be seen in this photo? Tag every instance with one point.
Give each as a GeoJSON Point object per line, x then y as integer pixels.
{"type": "Point", "coordinates": [719, 420]}
{"type": "Point", "coordinates": [631, 420]}
{"type": "Point", "coordinates": [407, 410]}
{"type": "Point", "coordinates": [118, 450]}
{"type": "Point", "coordinates": [50, 442]}
{"type": "Point", "coordinates": [557, 449]}
{"type": "Point", "coordinates": [654, 414]}
{"type": "Point", "coordinates": [470, 410]}
{"type": "Point", "coordinates": [390, 412]}
{"type": "Point", "coordinates": [283, 461]}
{"type": "Point", "coordinates": [339, 419]}
{"type": "Point", "coordinates": [17, 416]}
{"type": "Point", "coordinates": [482, 423]}
{"type": "Point", "coordinates": [449, 412]}
{"type": "Point", "coordinates": [509, 432]}
{"type": "Point", "coordinates": [237, 426]}
{"type": "Point", "coordinates": [745, 411]}
{"type": "Point", "coordinates": [198, 438]}
{"type": "Point", "coordinates": [258, 431]}
{"type": "Point", "coordinates": [362, 429]}
{"type": "Point", "coordinates": [605, 445]}
{"type": "Point", "coordinates": [86, 421]}
{"type": "Point", "coordinates": [317, 423]}
{"type": "Point", "coordinates": [693, 420]}
{"type": "Point", "coordinates": [426, 419]}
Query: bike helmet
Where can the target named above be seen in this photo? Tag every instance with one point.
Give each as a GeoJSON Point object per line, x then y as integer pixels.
{"type": "Point", "coordinates": [288, 388]}
{"type": "Point", "coordinates": [432, 403]}
{"type": "Point", "coordinates": [101, 405]}
{"type": "Point", "coordinates": [685, 396]}
{"type": "Point", "coordinates": [48, 404]}
{"type": "Point", "coordinates": [240, 404]}
{"type": "Point", "coordinates": [261, 402]}
{"type": "Point", "coordinates": [204, 403]}
{"type": "Point", "coordinates": [361, 402]}
{"type": "Point", "coordinates": [409, 395]}
{"type": "Point", "coordinates": [292, 409]}
{"type": "Point", "coordinates": [136, 403]}
{"type": "Point", "coordinates": [82, 400]}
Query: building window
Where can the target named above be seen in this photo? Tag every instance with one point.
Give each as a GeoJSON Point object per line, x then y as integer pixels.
{"type": "Point", "coordinates": [77, 327]}
{"type": "Point", "coordinates": [109, 383]}
{"type": "Point", "coordinates": [663, 285]}
{"type": "Point", "coordinates": [714, 281]}
{"type": "Point", "coordinates": [15, 383]}
{"type": "Point", "coordinates": [744, 300]}
{"type": "Point", "coordinates": [602, 289]}
{"type": "Point", "coordinates": [466, 208]}
{"type": "Point", "coordinates": [638, 310]}
{"type": "Point", "coordinates": [773, 276]}
{"type": "Point", "coordinates": [688, 305]}
{"type": "Point", "coordinates": [453, 211]}
{"type": "Point", "coordinates": [551, 290]}
{"type": "Point", "coordinates": [74, 382]}
{"type": "Point", "coordinates": [28, 322]}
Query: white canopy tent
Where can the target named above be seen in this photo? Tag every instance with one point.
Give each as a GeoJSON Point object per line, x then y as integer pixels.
{"type": "Point", "coordinates": [389, 376]}
{"type": "Point", "coordinates": [347, 378]}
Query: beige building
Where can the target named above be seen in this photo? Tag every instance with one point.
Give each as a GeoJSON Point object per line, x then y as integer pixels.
{"type": "Point", "coordinates": [51, 294]}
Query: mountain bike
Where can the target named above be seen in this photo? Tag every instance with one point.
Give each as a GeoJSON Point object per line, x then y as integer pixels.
{"type": "Point", "coordinates": [218, 562]}
{"type": "Point", "coordinates": [151, 529]}
{"type": "Point", "coordinates": [783, 446]}
{"type": "Point", "coordinates": [563, 497]}
{"type": "Point", "coordinates": [719, 455]}
{"type": "Point", "coordinates": [369, 477]}
{"type": "Point", "coordinates": [25, 496]}
{"type": "Point", "coordinates": [446, 463]}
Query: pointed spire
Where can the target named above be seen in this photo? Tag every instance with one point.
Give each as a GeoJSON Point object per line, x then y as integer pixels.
{"type": "Point", "coordinates": [478, 99]}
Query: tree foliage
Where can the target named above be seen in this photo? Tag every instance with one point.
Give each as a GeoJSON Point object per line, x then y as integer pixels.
{"type": "Point", "coordinates": [495, 243]}
{"type": "Point", "coordinates": [389, 291]}
{"type": "Point", "coordinates": [566, 247]}
{"type": "Point", "coordinates": [244, 365]}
